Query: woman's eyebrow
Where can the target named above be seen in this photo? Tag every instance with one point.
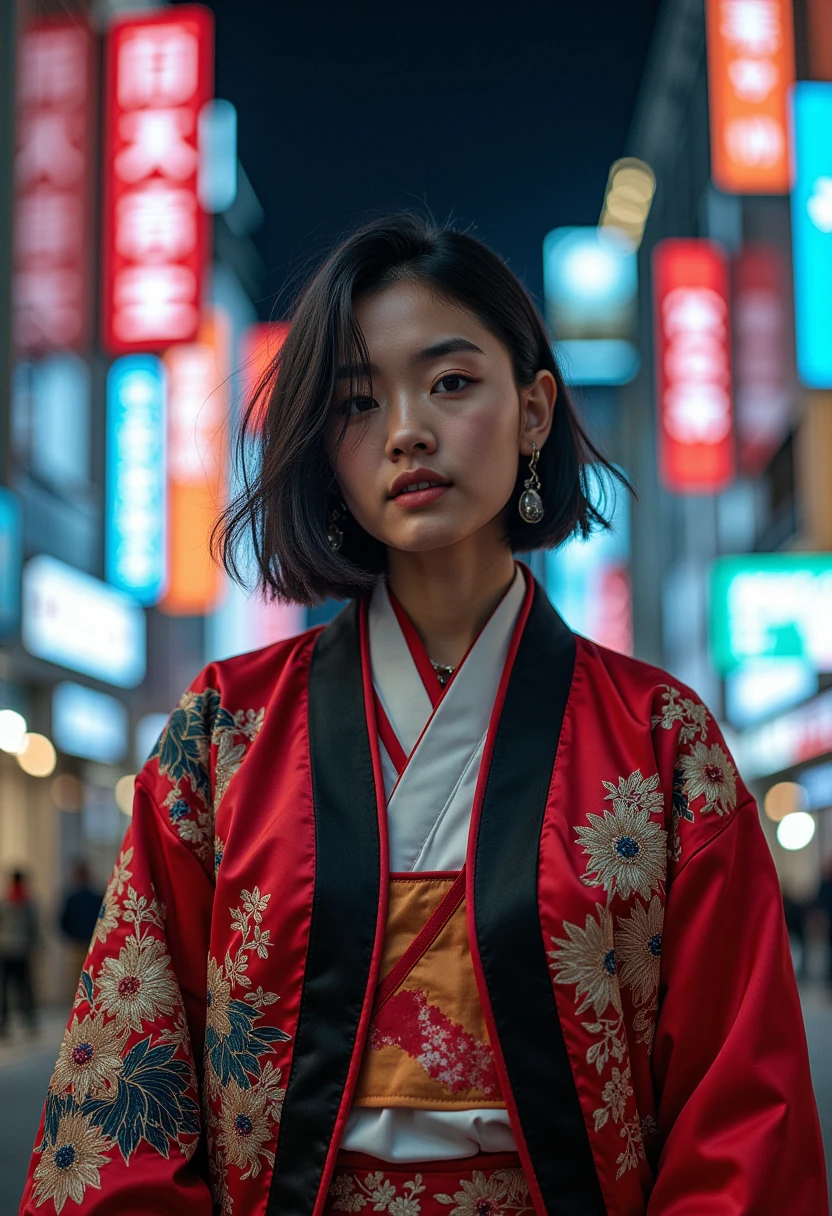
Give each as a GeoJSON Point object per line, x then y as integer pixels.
{"type": "Point", "coordinates": [449, 347]}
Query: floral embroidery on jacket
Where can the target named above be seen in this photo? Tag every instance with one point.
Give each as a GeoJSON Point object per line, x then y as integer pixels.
{"type": "Point", "coordinates": [627, 851]}
{"type": "Point", "coordinates": [112, 1088]}
{"type": "Point", "coordinates": [692, 716]}
{"type": "Point", "coordinates": [587, 960]}
{"type": "Point", "coordinates": [639, 946]}
{"type": "Point", "coordinates": [72, 1162]}
{"type": "Point", "coordinates": [493, 1194]}
{"type": "Point", "coordinates": [183, 753]}
{"type": "Point", "coordinates": [708, 773]}
{"type": "Point", "coordinates": [349, 1193]}
{"type": "Point", "coordinates": [242, 1096]}
{"type": "Point", "coordinates": [703, 770]}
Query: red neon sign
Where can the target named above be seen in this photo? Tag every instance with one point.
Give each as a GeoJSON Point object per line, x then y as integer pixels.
{"type": "Point", "coordinates": [750, 72]}
{"type": "Point", "coordinates": [693, 366]}
{"type": "Point", "coordinates": [53, 159]}
{"type": "Point", "coordinates": [763, 388]}
{"type": "Point", "coordinates": [156, 236]}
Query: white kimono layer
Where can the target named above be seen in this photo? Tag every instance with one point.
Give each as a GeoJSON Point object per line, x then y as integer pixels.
{"type": "Point", "coordinates": [429, 811]}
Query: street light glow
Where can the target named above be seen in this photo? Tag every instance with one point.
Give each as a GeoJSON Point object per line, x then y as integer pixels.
{"type": "Point", "coordinates": [37, 756]}
{"type": "Point", "coordinates": [629, 195]}
{"type": "Point", "coordinates": [796, 831]}
{"type": "Point", "coordinates": [12, 731]}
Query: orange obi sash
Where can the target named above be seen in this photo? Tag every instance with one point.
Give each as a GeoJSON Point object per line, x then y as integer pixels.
{"type": "Point", "coordinates": [428, 1046]}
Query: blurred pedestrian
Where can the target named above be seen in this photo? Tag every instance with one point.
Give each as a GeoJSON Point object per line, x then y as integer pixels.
{"type": "Point", "coordinates": [824, 902]}
{"type": "Point", "coordinates": [78, 918]}
{"type": "Point", "coordinates": [796, 911]}
{"type": "Point", "coordinates": [18, 937]}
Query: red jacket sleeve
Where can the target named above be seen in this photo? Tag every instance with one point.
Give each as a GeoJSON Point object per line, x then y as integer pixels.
{"type": "Point", "coordinates": [120, 1133]}
{"type": "Point", "coordinates": [736, 1110]}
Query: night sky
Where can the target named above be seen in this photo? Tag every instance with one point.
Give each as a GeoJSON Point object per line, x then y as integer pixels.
{"type": "Point", "coordinates": [504, 117]}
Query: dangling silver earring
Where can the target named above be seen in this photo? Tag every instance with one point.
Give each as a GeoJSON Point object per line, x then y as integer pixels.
{"type": "Point", "coordinates": [334, 525]}
{"type": "Point", "coordinates": [531, 504]}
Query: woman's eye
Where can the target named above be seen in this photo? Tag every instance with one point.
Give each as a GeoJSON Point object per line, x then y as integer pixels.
{"type": "Point", "coordinates": [358, 405]}
{"type": "Point", "coordinates": [452, 383]}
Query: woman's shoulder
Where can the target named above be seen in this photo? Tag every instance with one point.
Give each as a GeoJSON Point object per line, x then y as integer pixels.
{"type": "Point", "coordinates": [634, 679]}
{"type": "Point", "coordinates": [255, 672]}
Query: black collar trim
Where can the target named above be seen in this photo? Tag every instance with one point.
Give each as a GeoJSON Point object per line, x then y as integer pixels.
{"type": "Point", "coordinates": [507, 918]}
{"type": "Point", "coordinates": [345, 912]}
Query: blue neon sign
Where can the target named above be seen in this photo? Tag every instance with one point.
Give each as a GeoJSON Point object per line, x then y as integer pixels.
{"type": "Point", "coordinates": [11, 560]}
{"type": "Point", "coordinates": [812, 231]}
{"type": "Point", "coordinates": [136, 526]}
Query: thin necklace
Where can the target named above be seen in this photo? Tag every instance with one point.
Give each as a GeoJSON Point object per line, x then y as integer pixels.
{"type": "Point", "coordinates": [443, 672]}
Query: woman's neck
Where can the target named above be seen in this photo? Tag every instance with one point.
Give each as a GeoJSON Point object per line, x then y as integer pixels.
{"type": "Point", "coordinates": [449, 594]}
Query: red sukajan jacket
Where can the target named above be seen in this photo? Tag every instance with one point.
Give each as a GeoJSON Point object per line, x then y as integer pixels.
{"type": "Point", "coordinates": [625, 924]}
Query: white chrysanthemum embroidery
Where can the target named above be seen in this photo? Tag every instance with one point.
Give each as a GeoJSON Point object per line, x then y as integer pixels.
{"type": "Point", "coordinates": [638, 947]}
{"type": "Point", "coordinates": [627, 851]}
{"type": "Point", "coordinates": [218, 999]}
{"type": "Point", "coordinates": [139, 985]}
{"type": "Point", "coordinates": [244, 1128]}
{"type": "Point", "coordinates": [586, 958]}
{"type": "Point", "coordinates": [89, 1060]}
{"type": "Point", "coordinates": [708, 772]}
{"type": "Point", "coordinates": [72, 1163]}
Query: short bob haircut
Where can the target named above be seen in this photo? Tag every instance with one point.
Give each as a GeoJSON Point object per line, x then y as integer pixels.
{"type": "Point", "coordinates": [288, 483]}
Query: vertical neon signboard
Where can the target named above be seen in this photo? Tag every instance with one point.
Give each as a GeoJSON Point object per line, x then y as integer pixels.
{"type": "Point", "coordinates": [53, 162]}
{"type": "Point", "coordinates": [136, 512]}
{"type": "Point", "coordinates": [260, 345]}
{"type": "Point", "coordinates": [812, 232]}
{"type": "Point", "coordinates": [693, 366]}
{"type": "Point", "coordinates": [159, 76]}
{"type": "Point", "coordinates": [763, 391]}
{"type": "Point", "coordinates": [197, 465]}
{"type": "Point", "coordinates": [750, 72]}
{"type": "Point", "coordinates": [11, 561]}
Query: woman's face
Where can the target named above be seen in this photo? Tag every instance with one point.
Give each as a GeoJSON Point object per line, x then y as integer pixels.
{"type": "Point", "coordinates": [445, 416]}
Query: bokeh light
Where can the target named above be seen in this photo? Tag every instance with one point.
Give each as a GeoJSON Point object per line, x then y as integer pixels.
{"type": "Point", "coordinates": [37, 756]}
{"type": "Point", "coordinates": [784, 798]}
{"type": "Point", "coordinates": [796, 831]}
{"type": "Point", "coordinates": [125, 787]}
{"type": "Point", "coordinates": [12, 730]}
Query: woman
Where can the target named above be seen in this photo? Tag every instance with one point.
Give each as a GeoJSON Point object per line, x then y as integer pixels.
{"type": "Point", "coordinates": [442, 908]}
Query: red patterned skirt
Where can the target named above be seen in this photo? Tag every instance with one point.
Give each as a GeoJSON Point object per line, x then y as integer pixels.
{"type": "Point", "coordinates": [490, 1184]}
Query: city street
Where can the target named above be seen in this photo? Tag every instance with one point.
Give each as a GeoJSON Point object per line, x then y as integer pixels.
{"type": "Point", "coordinates": [416, 462]}
{"type": "Point", "coordinates": [26, 1065]}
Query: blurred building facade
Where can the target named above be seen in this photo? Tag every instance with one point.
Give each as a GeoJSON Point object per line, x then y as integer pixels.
{"type": "Point", "coordinates": [118, 408]}
{"type": "Point", "coordinates": [108, 603]}
{"type": "Point", "coordinates": [778, 499]}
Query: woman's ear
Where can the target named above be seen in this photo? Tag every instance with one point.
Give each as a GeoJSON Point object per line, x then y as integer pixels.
{"type": "Point", "coordinates": [537, 411]}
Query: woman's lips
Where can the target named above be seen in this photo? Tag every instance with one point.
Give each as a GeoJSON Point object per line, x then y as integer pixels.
{"type": "Point", "coordinates": [420, 498]}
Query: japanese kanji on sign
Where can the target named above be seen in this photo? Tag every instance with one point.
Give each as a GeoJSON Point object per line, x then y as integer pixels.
{"type": "Point", "coordinates": [693, 366]}
{"type": "Point", "coordinates": [750, 72]}
{"type": "Point", "coordinates": [53, 161]}
{"type": "Point", "coordinates": [156, 235]}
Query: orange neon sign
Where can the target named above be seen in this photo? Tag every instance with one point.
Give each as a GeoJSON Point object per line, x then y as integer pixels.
{"type": "Point", "coordinates": [197, 465]}
{"type": "Point", "coordinates": [750, 72]}
{"type": "Point", "coordinates": [260, 345]}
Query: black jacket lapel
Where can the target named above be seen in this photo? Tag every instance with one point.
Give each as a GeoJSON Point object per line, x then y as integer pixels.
{"type": "Point", "coordinates": [344, 916]}
{"type": "Point", "coordinates": [507, 919]}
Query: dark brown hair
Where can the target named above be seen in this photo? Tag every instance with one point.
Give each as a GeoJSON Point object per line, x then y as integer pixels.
{"type": "Point", "coordinates": [288, 483]}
